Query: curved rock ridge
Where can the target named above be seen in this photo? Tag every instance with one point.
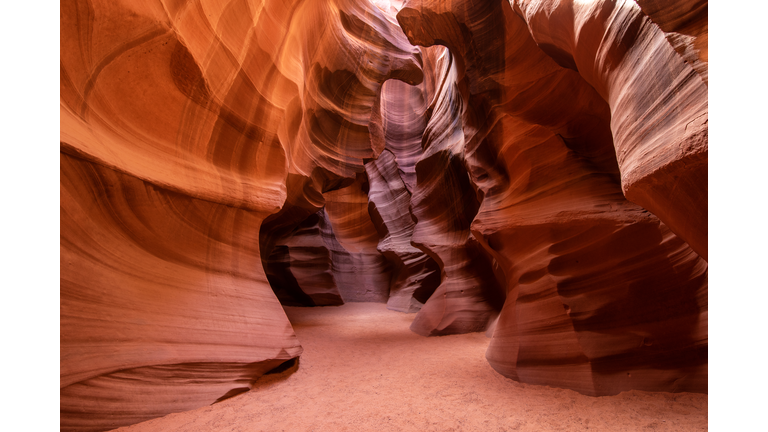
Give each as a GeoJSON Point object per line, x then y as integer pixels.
{"type": "Point", "coordinates": [300, 269]}
{"type": "Point", "coordinates": [164, 307]}
{"type": "Point", "coordinates": [686, 26]}
{"type": "Point", "coordinates": [659, 104]}
{"type": "Point", "coordinates": [206, 115]}
{"type": "Point", "coordinates": [444, 204]}
{"type": "Point", "coordinates": [415, 276]}
{"type": "Point", "coordinates": [535, 137]}
{"type": "Point", "coordinates": [533, 169]}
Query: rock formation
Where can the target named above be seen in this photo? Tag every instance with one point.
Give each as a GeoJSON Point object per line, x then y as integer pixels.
{"type": "Point", "coordinates": [533, 169]}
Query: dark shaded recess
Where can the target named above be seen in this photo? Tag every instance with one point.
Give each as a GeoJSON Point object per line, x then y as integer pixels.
{"type": "Point", "coordinates": [650, 357]}
{"type": "Point", "coordinates": [430, 283]}
{"type": "Point", "coordinates": [329, 181]}
{"type": "Point", "coordinates": [361, 30]}
{"type": "Point", "coordinates": [304, 199]}
{"type": "Point", "coordinates": [280, 268]}
{"type": "Point", "coordinates": [281, 279]}
{"type": "Point", "coordinates": [279, 226]}
{"type": "Point", "coordinates": [288, 364]}
{"type": "Point", "coordinates": [232, 393]}
{"type": "Point", "coordinates": [187, 76]}
{"type": "Point", "coordinates": [672, 293]}
{"type": "Point", "coordinates": [456, 203]}
{"type": "Point", "coordinates": [291, 365]}
{"type": "Point", "coordinates": [365, 184]}
{"type": "Point", "coordinates": [493, 285]}
{"type": "Point", "coordinates": [560, 56]}
{"type": "Point", "coordinates": [341, 87]}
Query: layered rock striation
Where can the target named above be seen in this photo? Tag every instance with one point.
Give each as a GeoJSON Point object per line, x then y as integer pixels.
{"type": "Point", "coordinates": [533, 169]}
{"type": "Point", "coordinates": [543, 122]}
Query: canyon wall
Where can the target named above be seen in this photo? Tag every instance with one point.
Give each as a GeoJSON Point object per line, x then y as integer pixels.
{"type": "Point", "coordinates": [533, 169]}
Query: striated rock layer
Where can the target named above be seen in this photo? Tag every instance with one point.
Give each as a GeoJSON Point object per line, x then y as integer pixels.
{"type": "Point", "coordinates": [183, 126]}
{"type": "Point", "coordinates": [594, 282]}
{"type": "Point", "coordinates": [300, 269]}
{"type": "Point", "coordinates": [164, 306]}
{"type": "Point", "coordinates": [533, 169]}
{"type": "Point", "coordinates": [686, 25]}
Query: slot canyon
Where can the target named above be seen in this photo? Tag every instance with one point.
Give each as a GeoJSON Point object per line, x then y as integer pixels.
{"type": "Point", "coordinates": [383, 215]}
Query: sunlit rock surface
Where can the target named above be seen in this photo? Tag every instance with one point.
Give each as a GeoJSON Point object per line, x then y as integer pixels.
{"type": "Point", "coordinates": [686, 26]}
{"type": "Point", "coordinates": [533, 169]}
{"type": "Point", "coordinates": [183, 126]}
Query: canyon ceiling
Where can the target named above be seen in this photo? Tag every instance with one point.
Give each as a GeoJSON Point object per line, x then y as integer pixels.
{"type": "Point", "coordinates": [533, 169]}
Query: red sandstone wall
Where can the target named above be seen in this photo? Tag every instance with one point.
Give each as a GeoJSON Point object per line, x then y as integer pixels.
{"type": "Point", "coordinates": [538, 170]}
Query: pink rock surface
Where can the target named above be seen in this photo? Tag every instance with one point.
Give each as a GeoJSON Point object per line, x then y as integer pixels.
{"type": "Point", "coordinates": [533, 169]}
{"type": "Point", "coordinates": [415, 275]}
{"type": "Point", "coordinates": [686, 25]}
{"type": "Point", "coordinates": [659, 104]}
{"type": "Point", "coordinates": [164, 306]}
{"type": "Point", "coordinates": [575, 254]}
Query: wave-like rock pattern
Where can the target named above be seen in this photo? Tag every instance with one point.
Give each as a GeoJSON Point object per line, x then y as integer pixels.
{"type": "Point", "coordinates": [362, 273]}
{"type": "Point", "coordinates": [591, 278]}
{"type": "Point", "coordinates": [415, 275]}
{"type": "Point", "coordinates": [659, 104]}
{"type": "Point", "coordinates": [686, 25]}
{"type": "Point", "coordinates": [224, 107]}
{"type": "Point", "coordinates": [534, 168]}
{"type": "Point", "coordinates": [164, 306]}
{"type": "Point", "coordinates": [444, 204]}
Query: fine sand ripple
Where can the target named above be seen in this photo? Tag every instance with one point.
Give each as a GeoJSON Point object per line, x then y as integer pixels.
{"type": "Point", "coordinates": [363, 370]}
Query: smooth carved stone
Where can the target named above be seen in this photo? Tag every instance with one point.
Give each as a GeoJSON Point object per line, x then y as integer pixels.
{"type": "Point", "coordinates": [230, 106]}
{"type": "Point", "coordinates": [415, 274]}
{"type": "Point", "coordinates": [344, 51]}
{"type": "Point", "coordinates": [593, 281]}
{"type": "Point", "coordinates": [361, 271]}
{"type": "Point", "coordinates": [164, 306]}
{"type": "Point", "coordinates": [659, 104]}
{"type": "Point", "coordinates": [404, 120]}
{"type": "Point", "coordinates": [444, 204]}
{"type": "Point", "coordinates": [541, 166]}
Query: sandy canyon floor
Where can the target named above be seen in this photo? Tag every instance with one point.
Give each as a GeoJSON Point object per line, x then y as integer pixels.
{"type": "Point", "coordinates": [363, 370]}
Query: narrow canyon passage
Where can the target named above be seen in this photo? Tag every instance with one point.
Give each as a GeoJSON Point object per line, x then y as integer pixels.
{"type": "Point", "coordinates": [499, 209]}
{"type": "Point", "coordinates": [363, 370]}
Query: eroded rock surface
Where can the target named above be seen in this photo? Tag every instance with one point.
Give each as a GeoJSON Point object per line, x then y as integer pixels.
{"type": "Point", "coordinates": [183, 126]}
{"type": "Point", "coordinates": [536, 129]}
{"type": "Point", "coordinates": [536, 169]}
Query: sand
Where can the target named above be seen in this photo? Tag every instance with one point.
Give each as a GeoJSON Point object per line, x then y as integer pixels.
{"type": "Point", "coordinates": [363, 370]}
